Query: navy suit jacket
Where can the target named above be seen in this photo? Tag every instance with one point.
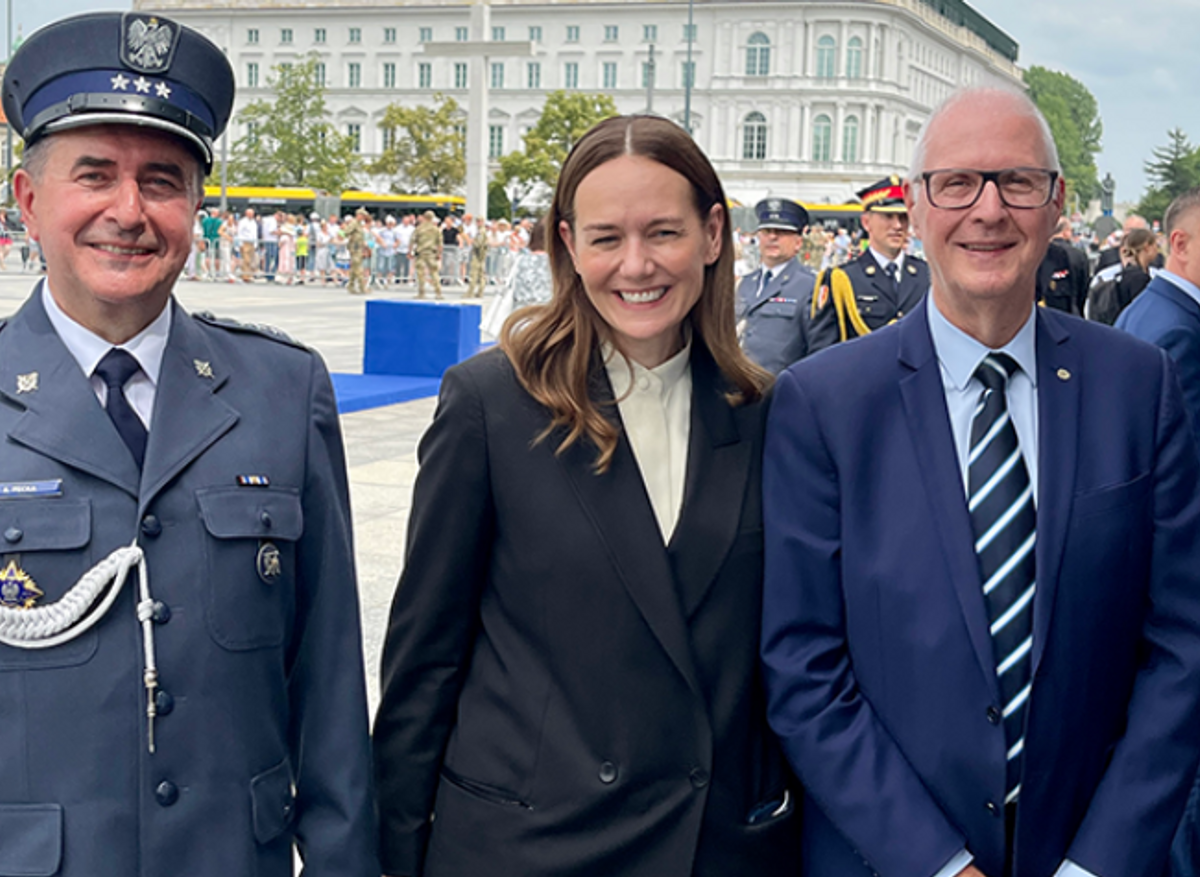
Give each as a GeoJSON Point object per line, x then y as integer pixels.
{"type": "Point", "coordinates": [880, 674]}
{"type": "Point", "coordinates": [1167, 316]}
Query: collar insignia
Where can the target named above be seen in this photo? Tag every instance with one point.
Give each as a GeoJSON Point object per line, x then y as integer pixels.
{"type": "Point", "coordinates": [27, 383]}
{"type": "Point", "coordinates": [203, 369]}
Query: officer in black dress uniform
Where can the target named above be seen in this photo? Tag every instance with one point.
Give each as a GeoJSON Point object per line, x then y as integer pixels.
{"type": "Point", "coordinates": [773, 302]}
{"type": "Point", "coordinates": [181, 675]}
{"type": "Point", "coordinates": [881, 285]}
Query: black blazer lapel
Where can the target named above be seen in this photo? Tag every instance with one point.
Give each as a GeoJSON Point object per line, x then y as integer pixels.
{"type": "Point", "coordinates": [924, 399]}
{"type": "Point", "coordinates": [718, 472]}
{"type": "Point", "coordinates": [619, 509]}
{"type": "Point", "coordinates": [62, 418]}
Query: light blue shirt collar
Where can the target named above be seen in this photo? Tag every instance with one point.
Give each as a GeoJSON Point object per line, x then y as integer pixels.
{"type": "Point", "coordinates": [1183, 283]}
{"type": "Point", "coordinates": [959, 354]}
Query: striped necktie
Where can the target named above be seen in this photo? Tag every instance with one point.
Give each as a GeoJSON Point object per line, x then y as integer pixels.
{"type": "Point", "coordinates": [1003, 517]}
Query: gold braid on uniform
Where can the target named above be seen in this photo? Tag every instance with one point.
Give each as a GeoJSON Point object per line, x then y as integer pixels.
{"type": "Point", "coordinates": [841, 292]}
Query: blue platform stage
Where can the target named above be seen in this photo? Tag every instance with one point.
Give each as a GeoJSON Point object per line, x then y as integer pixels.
{"type": "Point", "coordinates": [408, 345]}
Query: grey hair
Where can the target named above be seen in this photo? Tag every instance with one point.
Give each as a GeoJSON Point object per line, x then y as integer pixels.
{"type": "Point", "coordinates": [1019, 99]}
{"type": "Point", "coordinates": [1180, 207]}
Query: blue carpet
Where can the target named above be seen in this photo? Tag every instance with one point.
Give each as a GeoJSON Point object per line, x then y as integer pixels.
{"type": "Point", "coordinates": [360, 392]}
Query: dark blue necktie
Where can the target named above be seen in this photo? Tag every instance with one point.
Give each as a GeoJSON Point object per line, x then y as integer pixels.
{"type": "Point", "coordinates": [892, 270]}
{"type": "Point", "coordinates": [115, 369]}
{"type": "Point", "coordinates": [1005, 525]}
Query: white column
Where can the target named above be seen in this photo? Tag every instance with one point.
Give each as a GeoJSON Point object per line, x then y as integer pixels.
{"type": "Point", "coordinates": [477, 115]}
{"type": "Point", "coordinates": [804, 134]}
{"type": "Point", "coordinates": [838, 129]}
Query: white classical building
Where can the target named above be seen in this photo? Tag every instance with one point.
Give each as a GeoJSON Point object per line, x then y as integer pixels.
{"type": "Point", "coordinates": [809, 99]}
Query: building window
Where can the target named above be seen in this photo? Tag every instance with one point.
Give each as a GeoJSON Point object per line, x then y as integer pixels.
{"type": "Point", "coordinates": [572, 33]}
{"type": "Point", "coordinates": [495, 141]}
{"type": "Point", "coordinates": [533, 75]}
{"type": "Point", "coordinates": [285, 35]}
{"type": "Point", "coordinates": [689, 33]}
{"type": "Point", "coordinates": [425, 35]}
{"type": "Point", "coordinates": [498, 34]}
{"type": "Point", "coordinates": [610, 74]}
{"type": "Point", "coordinates": [354, 75]}
{"type": "Point", "coordinates": [252, 75]}
{"type": "Point", "coordinates": [389, 75]}
{"type": "Point", "coordinates": [648, 74]}
{"type": "Point", "coordinates": [826, 58]}
{"type": "Point", "coordinates": [461, 34]}
{"type": "Point", "coordinates": [252, 36]}
{"type": "Point", "coordinates": [571, 75]}
{"type": "Point", "coordinates": [498, 74]}
{"type": "Point", "coordinates": [387, 138]}
{"type": "Point", "coordinates": [758, 55]}
{"type": "Point", "coordinates": [754, 137]}
{"type": "Point", "coordinates": [389, 35]}
{"type": "Point", "coordinates": [687, 74]}
{"type": "Point", "coordinates": [822, 138]}
{"type": "Point", "coordinates": [854, 55]}
{"type": "Point", "coordinates": [319, 74]}
{"type": "Point", "coordinates": [649, 33]}
{"type": "Point", "coordinates": [850, 140]}
{"type": "Point", "coordinates": [356, 35]}
{"type": "Point", "coordinates": [460, 132]}
{"type": "Point", "coordinates": [354, 132]}
{"type": "Point", "coordinates": [535, 33]}
{"type": "Point", "coordinates": [425, 75]}
{"type": "Point", "coordinates": [285, 66]}
{"type": "Point", "coordinates": [611, 32]}
{"type": "Point", "coordinates": [460, 74]}
{"type": "Point", "coordinates": [252, 132]}
{"type": "Point", "coordinates": [319, 36]}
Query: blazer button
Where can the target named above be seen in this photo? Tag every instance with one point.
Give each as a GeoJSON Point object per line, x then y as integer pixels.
{"type": "Point", "coordinates": [13, 534]}
{"type": "Point", "coordinates": [161, 612]}
{"type": "Point", "coordinates": [164, 703]}
{"type": "Point", "coordinates": [608, 773]}
{"type": "Point", "coordinates": [994, 715]}
{"type": "Point", "coordinates": [992, 807]}
{"type": "Point", "coordinates": [698, 777]}
{"type": "Point", "coordinates": [166, 793]}
{"type": "Point", "coordinates": [151, 527]}
{"type": "Point", "coordinates": [265, 518]}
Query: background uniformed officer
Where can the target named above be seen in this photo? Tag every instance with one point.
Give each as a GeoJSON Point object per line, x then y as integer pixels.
{"type": "Point", "coordinates": [773, 301]}
{"type": "Point", "coordinates": [881, 285]}
{"type": "Point", "coordinates": [200, 709]}
{"type": "Point", "coordinates": [426, 247]}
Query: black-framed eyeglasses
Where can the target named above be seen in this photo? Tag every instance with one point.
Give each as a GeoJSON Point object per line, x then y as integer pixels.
{"type": "Point", "coordinates": [1021, 188]}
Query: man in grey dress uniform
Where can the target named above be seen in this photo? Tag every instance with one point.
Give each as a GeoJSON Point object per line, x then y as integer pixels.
{"type": "Point", "coordinates": [181, 682]}
{"type": "Point", "coordinates": [773, 302]}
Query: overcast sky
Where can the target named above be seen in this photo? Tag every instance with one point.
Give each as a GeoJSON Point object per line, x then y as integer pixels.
{"type": "Point", "coordinates": [1135, 57]}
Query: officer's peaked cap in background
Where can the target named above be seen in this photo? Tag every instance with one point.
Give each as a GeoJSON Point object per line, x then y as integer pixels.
{"type": "Point", "coordinates": [780, 213]}
{"type": "Point", "coordinates": [886, 196]}
{"type": "Point", "coordinates": [120, 68]}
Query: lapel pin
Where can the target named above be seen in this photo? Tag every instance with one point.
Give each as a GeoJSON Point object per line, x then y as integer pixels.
{"type": "Point", "coordinates": [870, 270]}
{"type": "Point", "coordinates": [1064, 375]}
{"type": "Point", "coordinates": [203, 369]}
{"type": "Point", "coordinates": [911, 269]}
{"type": "Point", "coordinates": [27, 383]}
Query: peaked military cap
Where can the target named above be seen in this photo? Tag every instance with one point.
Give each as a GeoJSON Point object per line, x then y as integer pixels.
{"type": "Point", "coordinates": [780, 213]}
{"type": "Point", "coordinates": [120, 68]}
{"type": "Point", "coordinates": [886, 196]}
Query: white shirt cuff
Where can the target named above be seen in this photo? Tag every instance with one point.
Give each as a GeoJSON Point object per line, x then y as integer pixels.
{"type": "Point", "coordinates": [959, 861]}
{"type": "Point", "coordinates": [1070, 869]}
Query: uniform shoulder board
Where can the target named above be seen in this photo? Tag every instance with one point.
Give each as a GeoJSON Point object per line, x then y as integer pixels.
{"type": "Point", "coordinates": [262, 329]}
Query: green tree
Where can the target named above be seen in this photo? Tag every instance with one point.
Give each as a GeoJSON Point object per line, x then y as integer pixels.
{"type": "Point", "coordinates": [498, 205]}
{"type": "Point", "coordinates": [427, 151]}
{"type": "Point", "coordinates": [289, 141]}
{"type": "Point", "coordinates": [1174, 169]}
{"type": "Point", "coordinates": [1075, 123]}
{"type": "Point", "coordinates": [566, 116]}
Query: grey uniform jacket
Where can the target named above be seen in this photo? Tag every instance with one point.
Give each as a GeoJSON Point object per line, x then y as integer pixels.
{"type": "Point", "coordinates": [775, 329]}
{"type": "Point", "coordinates": [261, 734]}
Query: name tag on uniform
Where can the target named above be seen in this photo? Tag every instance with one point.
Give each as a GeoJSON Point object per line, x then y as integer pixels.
{"type": "Point", "coordinates": [23, 489]}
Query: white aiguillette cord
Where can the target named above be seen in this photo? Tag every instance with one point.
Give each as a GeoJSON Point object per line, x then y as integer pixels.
{"type": "Point", "coordinates": [44, 627]}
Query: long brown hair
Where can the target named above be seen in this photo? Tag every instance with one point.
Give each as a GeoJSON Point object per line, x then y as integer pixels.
{"type": "Point", "coordinates": [551, 346]}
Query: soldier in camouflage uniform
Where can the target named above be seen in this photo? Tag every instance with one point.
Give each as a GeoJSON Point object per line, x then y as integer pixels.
{"type": "Point", "coordinates": [476, 275]}
{"type": "Point", "coordinates": [426, 250]}
{"type": "Point", "coordinates": [356, 243]}
{"type": "Point", "coordinates": [812, 250]}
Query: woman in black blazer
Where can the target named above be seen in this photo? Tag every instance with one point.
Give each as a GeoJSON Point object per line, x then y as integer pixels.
{"type": "Point", "coordinates": [570, 677]}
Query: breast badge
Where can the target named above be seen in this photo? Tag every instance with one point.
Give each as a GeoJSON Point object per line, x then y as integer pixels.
{"type": "Point", "coordinates": [17, 589]}
{"type": "Point", "coordinates": [268, 563]}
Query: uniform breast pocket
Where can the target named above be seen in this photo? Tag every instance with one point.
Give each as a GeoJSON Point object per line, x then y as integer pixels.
{"type": "Point", "coordinates": [250, 563]}
{"type": "Point", "coordinates": [45, 550]}
{"type": "Point", "coordinates": [785, 309]}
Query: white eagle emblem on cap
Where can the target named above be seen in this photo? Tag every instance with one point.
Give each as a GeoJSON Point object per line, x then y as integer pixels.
{"type": "Point", "coordinates": [774, 205]}
{"type": "Point", "coordinates": [147, 44]}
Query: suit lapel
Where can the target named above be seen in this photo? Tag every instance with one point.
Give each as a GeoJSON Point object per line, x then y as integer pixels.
{"type": "Point", "coordinates": [619, 509]}
{"type": "Point", "coordinates": [1059, 374]}
{"type": "Point", "coordinates": [188, 414]}
{"type": "Point", "coordinates": [62, 417]}
{"type": "Point", "coordinates": [912, 288]}
{"type": "Point", "coordinates": [924, 397]}
{"type": "Point", "coordinates": [718, 467]}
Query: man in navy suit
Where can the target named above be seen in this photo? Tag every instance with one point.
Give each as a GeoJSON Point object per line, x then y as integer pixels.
{"type": "Point", "coordinates": [982, 603]}
{"type": "Point", "coordinates": [773, 302]}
